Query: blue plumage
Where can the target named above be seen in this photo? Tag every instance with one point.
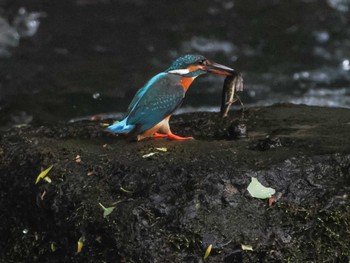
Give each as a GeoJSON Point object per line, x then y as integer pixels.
{"type": "Point", "coordinates": [121, 127]}
{"type": "Point", "coordinates": [150, 109]}
{"type": "Point", "coordinates": [151, 104]}
{"type": "Point", "coordinates": [144, 89]}
{"type": "Point", "coordinates": [186, 61]}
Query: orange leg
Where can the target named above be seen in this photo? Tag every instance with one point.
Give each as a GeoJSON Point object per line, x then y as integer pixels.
{"type": "Point", "coordinates": [171, 136]}
{"type": "Point", "coordinates": [178, 138]}
{"type": "Point", "coordinates": [159, 135]}
{"type": "Point", "coordinates": [164, 132]}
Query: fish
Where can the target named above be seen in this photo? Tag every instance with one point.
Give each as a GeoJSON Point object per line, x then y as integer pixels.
{"type": "Point", "coordinates": [232, 83]}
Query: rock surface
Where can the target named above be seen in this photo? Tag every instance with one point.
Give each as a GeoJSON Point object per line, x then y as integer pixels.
{"type": "Point", "coordinates": [169, 207]}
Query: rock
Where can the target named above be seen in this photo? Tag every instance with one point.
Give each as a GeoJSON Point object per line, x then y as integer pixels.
{"type": "Point", "coordinates": [170, 206]}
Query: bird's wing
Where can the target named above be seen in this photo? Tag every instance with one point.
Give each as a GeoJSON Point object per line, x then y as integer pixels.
{"type": "Point", "coordinates": [161, 96]}
{"type": "Point", "coordinates": [143, 90]}
{"type": "Point", "coordinates": [136, 98]}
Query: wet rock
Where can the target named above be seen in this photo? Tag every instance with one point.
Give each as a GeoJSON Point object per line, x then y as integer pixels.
{"type": "Point", "coordinates": [266, 144]}
{"type": "Point", "coordinates": [171, 206]}
{"type": "Point", "coordinates": [237, 129]}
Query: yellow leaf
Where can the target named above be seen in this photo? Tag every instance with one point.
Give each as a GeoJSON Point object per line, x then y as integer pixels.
{"type": "Point", "coordinates": [43, 174]}
{"type": "Point", "coordinates": [80, 244]}
{"type": "Point", "coordinates": [247, 247]}
{"type": "Point", "coordinates": [207, 252]}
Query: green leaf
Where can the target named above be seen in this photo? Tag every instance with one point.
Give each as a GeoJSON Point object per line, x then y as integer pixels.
{"type": "Point", "coordinates": [257, 190]}
{"type": "Point", "coordinates": [107, 210]}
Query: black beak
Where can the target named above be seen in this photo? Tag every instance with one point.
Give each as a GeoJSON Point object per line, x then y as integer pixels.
{"type": "Point", "coordinates": [218, 68]}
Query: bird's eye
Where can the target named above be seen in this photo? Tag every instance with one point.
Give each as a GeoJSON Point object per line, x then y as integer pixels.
{"type": "Point", "coordinates": [202, 62]}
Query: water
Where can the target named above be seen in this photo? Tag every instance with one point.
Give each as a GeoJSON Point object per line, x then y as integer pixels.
{"type": "Point", "coordinates": [91, 56]}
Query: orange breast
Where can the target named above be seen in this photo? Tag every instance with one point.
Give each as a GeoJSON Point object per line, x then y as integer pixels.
{"type": "Point", "coordinates": [186, 82]}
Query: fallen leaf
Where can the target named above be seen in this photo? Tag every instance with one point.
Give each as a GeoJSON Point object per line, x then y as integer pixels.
{"type": "Point", "coordinates": [257, 190]}
{"type": "Point", "coordinates": [80, 244]}
{"type": "Point", "coordinates": [48, 179]}
{"type": "Point", "coordinates": [99, 239]}
{"type": "Point", "coordinates": [20, 125]}
{"type": "Point", "coordinates": [148, 155]}
{"type": "Point", "coordinates": [247, 247]}
{"type": "Point", "coordinates": [53, 246]}
{"type": "Point", "coordinates": [207, 251]}
{"type": "Point", "coordinates": [107, 210]}
{"type": "Point", "coordinates": [43, 174]}
{"type": "Point", "coordinates": [124, 190]}
{"type": "Point", "coordinates": [162, 149]}
{"type": "Point", "coordinates": [77, 159]}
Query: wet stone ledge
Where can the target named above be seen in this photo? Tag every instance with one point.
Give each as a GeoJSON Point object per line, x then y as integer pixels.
{"type": "Point", "coordinates": [171, 200]}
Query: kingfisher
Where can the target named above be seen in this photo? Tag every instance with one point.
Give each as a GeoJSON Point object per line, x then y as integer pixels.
{"type": "Point", "coordinates": [152, 106]}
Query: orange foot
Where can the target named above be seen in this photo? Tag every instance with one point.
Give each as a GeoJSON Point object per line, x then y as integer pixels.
{"type": "Point", "coordinates": [171, 136]}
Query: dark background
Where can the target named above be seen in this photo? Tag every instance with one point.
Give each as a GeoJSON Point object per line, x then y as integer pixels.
{"type": "Point", "coordinates": [91, 56]}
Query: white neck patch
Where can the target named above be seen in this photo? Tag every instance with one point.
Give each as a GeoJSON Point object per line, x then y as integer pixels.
{"type": "Point", "coordinates": [179, 71]}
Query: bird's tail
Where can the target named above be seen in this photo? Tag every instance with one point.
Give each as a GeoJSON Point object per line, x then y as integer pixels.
{"type": "Point", "coordinates": [121, 127]}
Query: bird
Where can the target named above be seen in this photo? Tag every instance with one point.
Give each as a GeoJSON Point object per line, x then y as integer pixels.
{"type": "Point", "coordinates": [149, 111]}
